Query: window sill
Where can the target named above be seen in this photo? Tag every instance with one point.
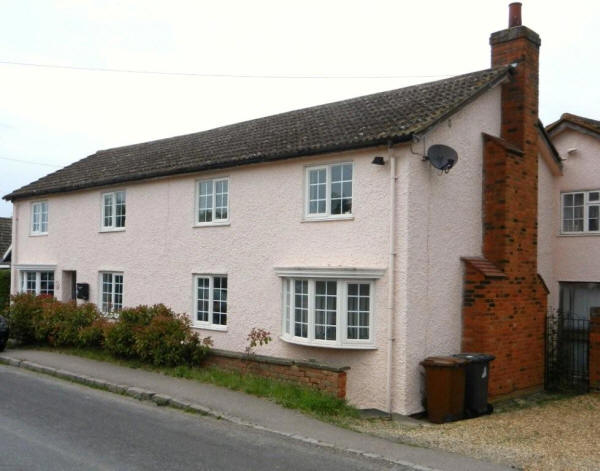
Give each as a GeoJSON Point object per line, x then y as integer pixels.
{"type": "Point", "coordinates": [348, 217]}
{"type": "Point", "coordinates": [579, 234]}
{"type": "Point", "coordinates": [211, 224]}
{"type": "Point", "coordinates": [215, 327]}
{"type": "Point", "coordinates": [117, 229]}
{"type": "Point", "coordinates": [346, 346]}
{"type": "Point", "coordinates": [38, 234]}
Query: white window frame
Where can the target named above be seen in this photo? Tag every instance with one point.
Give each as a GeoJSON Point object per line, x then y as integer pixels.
{"type": "Point", "coordinates": [586, 207]}
{"type": "Point", "coordinates": [214, 221]}
{"type": "Point", "coordinates": [327, 214]}
{"type": "Point", "coordinates": [112, 312]}
{"type": "Point", "coordinates": [343, 278]}
{"type": "Point", "coordinates": [43, 205]}
{"type": "Point", "coordinates": [113, 226]}
{"type": "Point", "coordinates": [209, 325]}
{"type": "Point", "coordinates": [38, 281]}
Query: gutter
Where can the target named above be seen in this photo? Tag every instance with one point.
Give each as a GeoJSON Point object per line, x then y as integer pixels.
{"type": "Point", "coordinates": [391, 281]}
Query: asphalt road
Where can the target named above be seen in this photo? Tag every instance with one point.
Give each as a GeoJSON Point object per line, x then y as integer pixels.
{"type": "Point", "coordinates": [49, 424]}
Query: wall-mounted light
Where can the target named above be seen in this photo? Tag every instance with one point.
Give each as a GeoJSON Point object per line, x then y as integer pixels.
{"type": "Point", "coordinates": [378, 160]}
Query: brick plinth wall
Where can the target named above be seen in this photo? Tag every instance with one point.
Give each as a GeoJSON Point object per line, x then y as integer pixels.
{"type": "Point", "coordinates": [594, 356]}
{"type": "Point", "coordinates": [504, 310]}
{"type": "Point", "coordinates": [331, 380]}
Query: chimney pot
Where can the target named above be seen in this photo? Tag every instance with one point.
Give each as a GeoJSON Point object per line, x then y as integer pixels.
{"type": "Point", "coordinates": [514, 14]}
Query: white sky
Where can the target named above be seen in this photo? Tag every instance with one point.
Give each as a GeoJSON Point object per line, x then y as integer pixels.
{"type": "Point", "coordinates": [57, 116]}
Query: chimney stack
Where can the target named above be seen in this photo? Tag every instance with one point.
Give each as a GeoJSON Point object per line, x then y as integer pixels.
{"type": "Point", "coordinates": [514, 14]}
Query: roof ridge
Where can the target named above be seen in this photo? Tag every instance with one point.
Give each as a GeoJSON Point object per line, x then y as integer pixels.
{"type": "Point", "coordinates": [364, 121]}
{"type": "Point", "coordinates": [312, 107]}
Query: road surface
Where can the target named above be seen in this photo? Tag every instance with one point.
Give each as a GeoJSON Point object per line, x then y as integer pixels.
{"type": "Point", "coordinates": [49, 424]}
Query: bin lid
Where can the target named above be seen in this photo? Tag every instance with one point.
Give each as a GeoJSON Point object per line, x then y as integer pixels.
{"type": "Point", "coordinates": [444, 362]}
{"type": "Point", "coordinates": [475, 357]}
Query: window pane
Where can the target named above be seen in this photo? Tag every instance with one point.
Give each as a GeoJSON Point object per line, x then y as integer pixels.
{"type": "Point", "coordinates": [594, 196]}
{"type": "Point", "coordinates": [205, 201]}
{"type": "Point", "coordinates": [317, 191]}
{"type": "Point", "coordinates": [593, 218]}
{"type": "Point", "coordinates": [36, 219]}
{"type": "Point", "coordinates": [301, 308]}
{"type": "Point", "coordinates": [120, 209]}
{"type": "Point", "coordinates": [203, 297]}
{"type": "Point", "coordinates": [287, 305]}
{"type": "Point", "coordinates": [44, 217]}
{"type": "Point", "coordinates": [47, 283]}
{"type": "Point", "coordinates": [568, 199]}
{"type": "Point", "coordinates": [220, 301]}
{"type": "Point", "coordinates": [118, 292]}
{"type": "Point", "coordinates": [358, 311]}
{"type": "Point", "coordinates": [221, 199]}
{"type": "Point", "coordinates": [325, 310]}
{"type": "Point", "coordinates": [108, 210]}
{"type": "Point", "coordinates": [578, 198]}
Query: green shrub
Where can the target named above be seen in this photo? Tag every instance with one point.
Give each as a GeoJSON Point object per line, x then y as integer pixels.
{"type": "Point", "coordinates": [60, 323]}
{"type": "Point", "coordinates": [4, 289]}
{"type": "Point", "coordinates": [23, 315]}
{"type": "Point", "coordinates": [120, 338]}
{"type": "Point", "coordinates": [92, 336]}
{"type": "Point", "coordinates": [160, 342]}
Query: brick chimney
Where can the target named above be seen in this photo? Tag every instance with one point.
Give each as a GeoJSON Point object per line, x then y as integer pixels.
{"type": "Point", "coordinates": [511, 214]}
{"type": "Point", "coordinates": [504, 303]}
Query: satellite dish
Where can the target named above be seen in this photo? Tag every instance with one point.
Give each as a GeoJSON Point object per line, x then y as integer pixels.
{"type": "Point", "coordinates": [442, 157]}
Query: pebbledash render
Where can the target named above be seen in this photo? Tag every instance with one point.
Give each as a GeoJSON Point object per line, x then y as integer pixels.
{"type": "Point", "coordinates": [327, 227]}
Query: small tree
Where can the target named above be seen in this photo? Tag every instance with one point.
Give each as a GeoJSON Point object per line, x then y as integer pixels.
{"type": "Point", "coordinates": [257, 337]}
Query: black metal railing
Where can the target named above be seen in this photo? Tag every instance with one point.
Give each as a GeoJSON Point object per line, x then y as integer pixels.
{"type": "Point", "coordinates": [567, 352]}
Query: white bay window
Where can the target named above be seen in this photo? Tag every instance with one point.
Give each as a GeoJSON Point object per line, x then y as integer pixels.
{"type": "Point", "coordinates": [326, 309]}
{"type": "Point", "coordinates": [37, 282]}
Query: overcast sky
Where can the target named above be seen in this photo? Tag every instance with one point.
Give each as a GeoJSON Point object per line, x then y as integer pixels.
{"type": "Point", "coordinates": [56, 116]}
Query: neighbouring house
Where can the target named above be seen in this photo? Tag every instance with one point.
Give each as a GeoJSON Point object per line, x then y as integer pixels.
{"type": "Point", "coordinates": [5, 255]}
{"type": "Point", "coordinates": [328, 227]}
{"type": "Point", "coordinates": [5, 242]}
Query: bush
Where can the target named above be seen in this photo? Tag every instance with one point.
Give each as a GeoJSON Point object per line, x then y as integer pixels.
{"type": "Point", "coordinates": [93, 335]}
{"type": "Point", "coordinates": [60, 323]}
{"type": "Point", "coordinates": [23, 315]}
{"type": "Point", "coordinates": [153, 334]}
{"type": "Point", "coordinates": [120, 338]}
{"type": "Point", "coordinates": [166, 341]}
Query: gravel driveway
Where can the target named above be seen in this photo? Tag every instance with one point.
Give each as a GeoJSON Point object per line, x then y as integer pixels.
{"type": "Point", "coordinates": [559, 434]}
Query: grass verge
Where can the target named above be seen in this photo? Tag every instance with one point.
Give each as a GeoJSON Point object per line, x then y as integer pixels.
{"type": "Point", "coordinates": [292, 396]}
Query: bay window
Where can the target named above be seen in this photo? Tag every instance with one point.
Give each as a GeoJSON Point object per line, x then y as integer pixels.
{"type": "Point", "coordinates": [327, 311]}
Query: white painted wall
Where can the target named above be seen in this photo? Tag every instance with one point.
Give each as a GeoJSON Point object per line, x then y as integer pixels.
{"type": "Point", "coordinates": [445, 214]}
{"type": "Point", "coordinates": [438, 221]}
{"type": "Point", "coordinates": [576, 256]}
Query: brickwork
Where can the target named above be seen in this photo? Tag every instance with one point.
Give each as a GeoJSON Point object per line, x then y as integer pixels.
{"type": "Point", "coordinates": [330, 380]}
{"type": "Point", "coordinates": [594, 356]}
{"type": "Point", "coordinates": [505, 316]}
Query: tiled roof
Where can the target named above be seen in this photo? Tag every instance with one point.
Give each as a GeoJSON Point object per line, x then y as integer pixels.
{"type": "Point", "coordinates": [5, 235]}
{"type": "Point", "coordinates": [365, 121]}
{"type": "Point", "coordinates": [484, 266]}
{"type": "Point", "coordinates": [586, 123]}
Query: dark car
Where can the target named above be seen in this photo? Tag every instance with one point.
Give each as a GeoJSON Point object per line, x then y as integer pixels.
{"type": "Point", "coordinates": [3, 333]}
